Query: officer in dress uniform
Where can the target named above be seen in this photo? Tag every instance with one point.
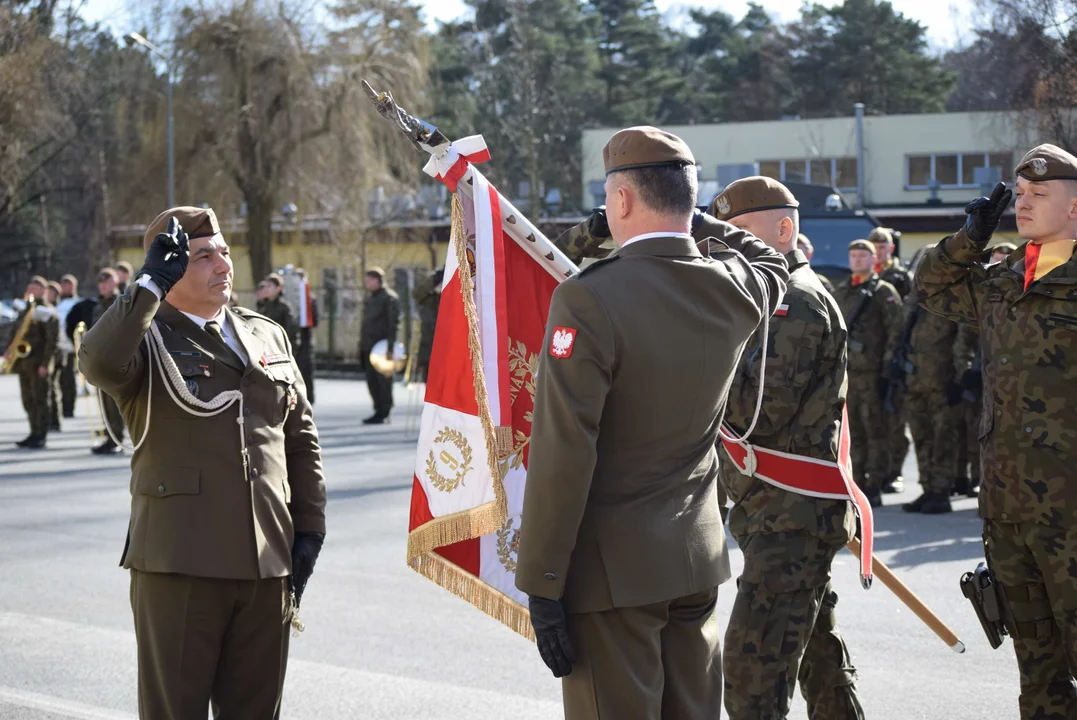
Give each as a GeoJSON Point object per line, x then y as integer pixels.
{"type": "Point", "coordinates": [1026, 309]}
{"type": "Point", "coordinates": [622, 547]}
{"type": "Point", "coordinates": [227, 518]}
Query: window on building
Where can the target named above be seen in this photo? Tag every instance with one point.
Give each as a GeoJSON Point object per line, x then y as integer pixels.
{"type": "Point", "coordinates": [837, 172]}
{"type": "Point", "coordinates": [952, 170]}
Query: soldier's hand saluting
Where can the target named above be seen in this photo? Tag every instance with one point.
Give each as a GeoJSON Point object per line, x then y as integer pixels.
{"type": "Point", "coordinates": [984, 214]}
{"type": "Point", "coordinates": [167, 256]}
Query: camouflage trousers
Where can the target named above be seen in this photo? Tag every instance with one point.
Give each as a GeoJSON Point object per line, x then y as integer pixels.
{"type": "Point", "coordinates": [897, 442]}
{"type": "Point", "coordinates": [868, 431]}
{"type": "Point", "coordinates": [936, 435]}
{"type": "Point", "coordinates": [1033, 565]}
{"type": "Point", "coordinates": [35, 400]}
{"type": "Point", "coordinates": [783, 630]}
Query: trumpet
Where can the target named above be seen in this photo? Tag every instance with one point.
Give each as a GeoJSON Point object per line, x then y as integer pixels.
{"type": "Point", "coordinates": [19, 348]}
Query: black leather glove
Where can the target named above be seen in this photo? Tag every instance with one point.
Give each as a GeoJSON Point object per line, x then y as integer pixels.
{"type": "Point", "coordinates": [305, 552]}
{"type": "Point", "coordinates": [984, 214]}
{"type": "Point", "coordinates": [551, 634]}
{"type": "Point", "coordinates": [166, 259]}
{"type": "Point", "coordinates": [954, 391]}
{"type": "Point", "coordinates": [697, 219]}
{"type": "Point", "coordinates": [881, 387]}
{"type": "Point", "coordinates": [597, 225]}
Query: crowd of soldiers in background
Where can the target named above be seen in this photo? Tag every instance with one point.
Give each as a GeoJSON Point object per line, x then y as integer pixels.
{"type": "Point", "coordinates": [56, 316]}
{"type": "Point", "coordinates": [908, 368]}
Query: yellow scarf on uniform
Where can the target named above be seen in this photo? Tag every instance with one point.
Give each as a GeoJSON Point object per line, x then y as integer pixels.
{"type": "Point", "coordinates": [1042, 258]}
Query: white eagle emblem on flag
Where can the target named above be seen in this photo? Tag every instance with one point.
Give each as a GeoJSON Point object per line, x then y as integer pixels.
{"type": "Point", "coordinates": [562, 341]}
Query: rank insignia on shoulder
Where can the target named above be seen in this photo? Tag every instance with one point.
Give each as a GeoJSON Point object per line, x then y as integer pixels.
{"type": "Point", "coordinates": [274, 359]}
{"type": "Point", "coordinates": [562, 342]}
{"type": "Point", "coordinates": [782, 311]}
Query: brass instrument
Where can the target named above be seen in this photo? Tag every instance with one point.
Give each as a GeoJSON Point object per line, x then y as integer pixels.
{"type": "Point", "coordinates": [93, 402]}
{"type": "Point", "coordinates": [19, 348]}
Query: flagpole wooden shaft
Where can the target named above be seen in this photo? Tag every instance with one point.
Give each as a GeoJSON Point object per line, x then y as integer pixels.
{"type": "Point", "coordinates": [911, 601]}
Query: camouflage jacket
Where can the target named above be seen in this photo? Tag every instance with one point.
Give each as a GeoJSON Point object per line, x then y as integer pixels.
{"type": "Point", "coordinates": [1028, 429]}
{"type": "Point", "coordinates": [877, 329]}
{"type": "Point", "coordinates": [381, 318]}
{"type": "Point", "coordinates": [932, 349]}
{"type": "Point", "coordinates": [280, 311]}
{"type": "Point", "coordinates": [803, 396]}
{"type": "Point", "coordinates": [897, 275]}
{"type": "Point", "coordinates": [578, 243]}
{"type": "Point", "coordinates": [42, 334]}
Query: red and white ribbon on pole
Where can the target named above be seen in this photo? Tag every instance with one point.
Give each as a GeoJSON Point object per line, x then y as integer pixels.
{"type": "Point", "coordinates": [451, 163]}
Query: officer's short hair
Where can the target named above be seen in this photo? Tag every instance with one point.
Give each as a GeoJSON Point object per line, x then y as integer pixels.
{"type": "Point", "coordinates": [667, 189]}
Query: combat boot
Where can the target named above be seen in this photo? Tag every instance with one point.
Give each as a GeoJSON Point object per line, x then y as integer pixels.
{"type": "Point", "coordinates": [108, 447]}
{"type": "Point", "coordinates": [25, 442]}
{"type": "Point", "coordinates": [936, 504]}
{"type": "Point", "coordinates": [35, 442]}
{"type": "Point", "coordinates": [916, 505]}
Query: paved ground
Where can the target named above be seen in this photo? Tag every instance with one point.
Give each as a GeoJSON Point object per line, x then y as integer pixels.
{"type": "Point", "coordinates": [383, 642]}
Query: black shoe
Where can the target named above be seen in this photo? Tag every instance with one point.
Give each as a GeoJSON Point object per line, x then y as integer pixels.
{"type": "Point", "coordinates": [875, 497]}
{"type": "Point", "coordinates": [936, 504]}
{"type": "Point", "coordinates": [107, 448]}
{"type": "Point", "coordinates": [25, 442]}
{"type": "Point", "coordinates": [377, 420]}
{"type": "Point", "coordinates": [974, 490]}
{"type": "Point", "coordinates": [70, 414]}
{"type": "Point", "coordinates": [961, 486]}
{"type": "Point", "coordinates": [894, 486]}
{"type": "Point", "coordinates": [916, 505]}
{"type": "Point", "coordinates": [35, 443]}
{"type": "Point", "coordinates": [55, 427]}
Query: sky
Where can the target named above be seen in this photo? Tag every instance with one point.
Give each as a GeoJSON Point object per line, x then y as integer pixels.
{"type": "Point", "coordinates": [947, 21]}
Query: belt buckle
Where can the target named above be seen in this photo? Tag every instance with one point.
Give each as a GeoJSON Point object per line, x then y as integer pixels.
{"type": "Point", "coordinates": [751, 464]}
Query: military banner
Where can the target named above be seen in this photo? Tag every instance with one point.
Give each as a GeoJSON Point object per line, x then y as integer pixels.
{"type": "Point", "coordinates": [472, 456]}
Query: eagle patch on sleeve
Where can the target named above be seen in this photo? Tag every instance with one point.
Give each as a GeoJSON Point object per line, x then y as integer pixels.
{"type": "Point", "coordinates": [564, 338]}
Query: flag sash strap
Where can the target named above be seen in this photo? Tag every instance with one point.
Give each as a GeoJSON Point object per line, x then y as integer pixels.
{"type": "Point", "coordinates": [811, 477]}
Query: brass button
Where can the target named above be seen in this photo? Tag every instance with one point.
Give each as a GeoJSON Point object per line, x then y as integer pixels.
{"type": "Point", "coordinates": [550, 576]}
{"type": "Point", "coordinates": [160, 488]}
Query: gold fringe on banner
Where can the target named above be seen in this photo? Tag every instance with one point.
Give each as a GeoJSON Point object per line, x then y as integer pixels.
{"type": "Point", "coordinates": [488, 518]}
{"type": "Point", "coordinates": [468, 587]}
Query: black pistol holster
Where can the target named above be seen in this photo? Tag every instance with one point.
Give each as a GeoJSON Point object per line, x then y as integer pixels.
{"type": "Point", "coordinates": [989, 601]}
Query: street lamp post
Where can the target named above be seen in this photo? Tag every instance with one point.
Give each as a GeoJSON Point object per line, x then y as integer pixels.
{"type": "Point", "coordinates": [134, 38]}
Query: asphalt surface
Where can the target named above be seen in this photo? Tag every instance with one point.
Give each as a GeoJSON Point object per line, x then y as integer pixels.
{"type": "Point", "coordinates": [380, 640]}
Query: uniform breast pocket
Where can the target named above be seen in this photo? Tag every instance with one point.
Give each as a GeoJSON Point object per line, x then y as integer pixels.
{"type": "Point", "coordinates": [283, 394]}
{"type": "Point", "coordinates": [198, 374]}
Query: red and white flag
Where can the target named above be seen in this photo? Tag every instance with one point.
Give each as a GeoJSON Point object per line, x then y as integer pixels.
{"type": "Point", "coordinates": [476, 423]}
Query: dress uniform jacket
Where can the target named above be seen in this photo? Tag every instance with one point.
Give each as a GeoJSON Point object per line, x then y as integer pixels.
{"type": "Point", "coordinates": [194, 511]}
{"type": "Point", "coordinates": [620, 505]}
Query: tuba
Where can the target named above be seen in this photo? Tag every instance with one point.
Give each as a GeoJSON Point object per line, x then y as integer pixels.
{"type": "Point", "coordinates": [19, 348]}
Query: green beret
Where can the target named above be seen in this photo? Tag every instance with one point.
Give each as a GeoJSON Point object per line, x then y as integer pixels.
{"type": "Point", "coordinates": [1047, 162]}
{"type": "Point", "coordinates": [752, 194]}
{"type": "Point", "coordinates": [645, 146]}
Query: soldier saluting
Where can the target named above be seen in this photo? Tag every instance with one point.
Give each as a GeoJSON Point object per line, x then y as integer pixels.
{"type": "Point", "coordinates": [622, 547]}
{"type": "Point", "coordinates": [226, 517]}
{"type": "Point", "coordinates": [1026, 309]}
{"type": "Point", "coordinates": [783, 627]}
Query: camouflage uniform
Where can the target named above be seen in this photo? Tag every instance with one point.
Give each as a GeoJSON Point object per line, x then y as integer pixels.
{"type": "Point", "coordinates": [898, 444]}
{"type": "Point", "coordinates": [871, 340]}
{"type": "Point", "coordinates": [111, 411]}
{"type": "Point", "coordinates": [783, 627]}
{"type": "Point", "coordinates": [427, 300]}
{"type": "Point", "coordinates": [585, 240]}
{"type": "Point", "coordinates": [930, 384]}
{"type": "Point", "coordinates": [970, 375]}
{"type": "Point", "coordinates": [42, 334]}
{"type": "Point", "coordinates": [1028, 440]}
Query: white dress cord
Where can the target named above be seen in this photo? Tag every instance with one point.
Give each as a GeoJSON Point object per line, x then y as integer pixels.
{"type": "Point", "coordinates": [762, 366]}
